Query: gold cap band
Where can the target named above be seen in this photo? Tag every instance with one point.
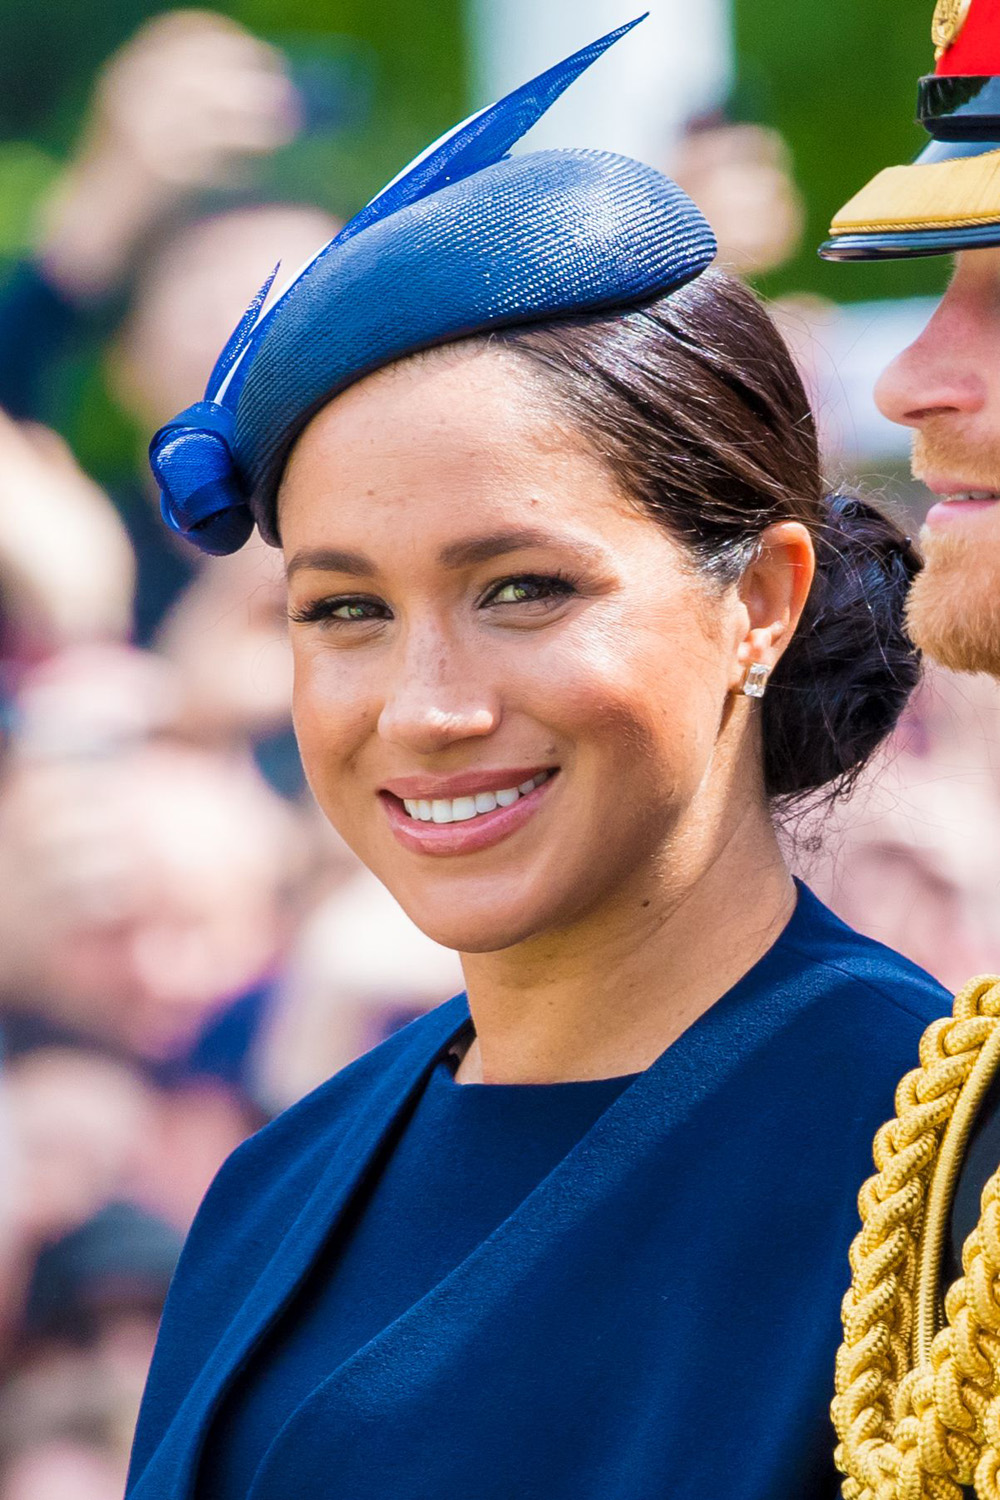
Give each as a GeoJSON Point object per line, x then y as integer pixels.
{"type": "Point", "coordinates": [937, 195]}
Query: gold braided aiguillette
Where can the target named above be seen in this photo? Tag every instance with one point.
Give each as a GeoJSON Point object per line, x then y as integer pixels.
{"type": "Point", "coordinates": [917, 1405]}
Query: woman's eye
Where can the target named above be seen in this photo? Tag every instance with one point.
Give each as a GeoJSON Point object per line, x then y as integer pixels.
{"type": "Point", "coordinates": [357, 609]}
{"type": "Point", "coordinates": [530, 589]}
{"type": "Point", "coordinates": [346, 609]}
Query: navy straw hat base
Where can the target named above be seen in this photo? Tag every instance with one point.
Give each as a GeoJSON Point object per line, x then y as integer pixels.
{"type": "Point", "coordinates": [550, 235]}
{"type": "Point", "coordinates": [465, 240]}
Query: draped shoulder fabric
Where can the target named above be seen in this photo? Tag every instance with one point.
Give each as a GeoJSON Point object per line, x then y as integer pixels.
{"type": "Point", "coordinates": [657, 1318]}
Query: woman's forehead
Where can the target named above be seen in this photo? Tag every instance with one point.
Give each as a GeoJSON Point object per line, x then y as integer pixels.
{"type": "Point", "coordinates": [450, 437]}
{"type": "Point", "coordinates": [472, 392]}
{"type": "Point", "coordinates": [435, 508]}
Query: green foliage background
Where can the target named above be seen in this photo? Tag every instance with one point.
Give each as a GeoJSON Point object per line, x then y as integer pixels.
{"type": "Point", "coordinates": [414, 51]}
{"type": "Point", "coordinates": [839, 79]}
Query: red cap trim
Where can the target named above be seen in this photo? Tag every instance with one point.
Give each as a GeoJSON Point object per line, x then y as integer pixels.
{"type": "Point", "coordinates": [976, 49]}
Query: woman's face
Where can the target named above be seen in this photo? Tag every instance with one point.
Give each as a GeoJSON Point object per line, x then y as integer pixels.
{"type": "Point", "coordinates": [511, 687]}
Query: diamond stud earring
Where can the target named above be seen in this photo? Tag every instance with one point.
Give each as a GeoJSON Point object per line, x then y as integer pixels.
{"type": "Point", "coordinates": [755, 680]}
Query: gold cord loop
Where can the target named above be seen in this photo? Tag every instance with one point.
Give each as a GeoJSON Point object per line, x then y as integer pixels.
{"type": "Point", "coordinates": [917, 1405]}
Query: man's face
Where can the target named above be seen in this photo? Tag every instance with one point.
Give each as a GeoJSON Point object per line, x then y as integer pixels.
{"type": "Point", "coordinates": [946, 386]}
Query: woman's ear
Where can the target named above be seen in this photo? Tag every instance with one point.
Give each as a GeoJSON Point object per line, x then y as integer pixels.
{"type": "Point", "coordinates": [773, 591]}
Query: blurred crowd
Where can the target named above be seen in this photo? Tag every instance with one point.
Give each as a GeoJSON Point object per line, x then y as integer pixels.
{"type": "Point", "coordinates": [185, 947]}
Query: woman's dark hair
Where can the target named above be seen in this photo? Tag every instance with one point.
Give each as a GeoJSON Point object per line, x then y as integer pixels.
{"type": "Point", "coordinates": [696, 406]}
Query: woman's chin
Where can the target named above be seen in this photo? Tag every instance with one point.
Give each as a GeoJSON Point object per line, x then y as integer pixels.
{"type": "Point", "coordinates": [473, 934]}
{"type": "Point", "coordinates": [477, 925]}
{"type": "Point", "coordinates": [488, 913]}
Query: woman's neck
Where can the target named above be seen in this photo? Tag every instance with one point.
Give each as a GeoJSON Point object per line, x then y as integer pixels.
{"type": "Point", "coordinates": [607, 995]}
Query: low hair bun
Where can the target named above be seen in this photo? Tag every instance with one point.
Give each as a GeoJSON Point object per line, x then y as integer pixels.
{"type": "Point", "coordinates": [841, 685]}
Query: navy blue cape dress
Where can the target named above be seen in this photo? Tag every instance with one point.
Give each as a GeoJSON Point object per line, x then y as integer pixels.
{"type": "Point", "coordinates": [656, 1319]}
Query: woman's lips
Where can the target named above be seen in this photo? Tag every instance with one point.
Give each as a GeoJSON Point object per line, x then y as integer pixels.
{"type": "Point", "coordinates": [467, 837]}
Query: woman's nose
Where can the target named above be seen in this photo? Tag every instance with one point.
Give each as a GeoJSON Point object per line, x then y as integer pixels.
{"type": "Point", "coordinates": [437, 700]}
{"type": "Point", "coordinates": [939, 373]}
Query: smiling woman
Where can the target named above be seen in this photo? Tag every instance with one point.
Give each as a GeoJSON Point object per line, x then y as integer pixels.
{"type": "Point", "coordinates": [629, 531]}
{"type": "Point", "coordinates": [549, 497]}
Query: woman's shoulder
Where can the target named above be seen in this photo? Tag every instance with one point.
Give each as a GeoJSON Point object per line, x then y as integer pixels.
{"type": "Point", "coordinates": [312, 1122]}
{"type": "Point", "coordinates": [856, 1011]}
{"type": "Point", "coordinates": [889, 987]}
{"type": "Point", "coordinates": [272, 1171]}
{"type": "Point", "coordinates": [260, 1191]}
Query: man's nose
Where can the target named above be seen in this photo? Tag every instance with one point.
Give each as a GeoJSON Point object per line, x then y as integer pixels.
{"type": "Point", "coordinates": [937, 374]}
{"type": "Point", "coordinates": [437, 698]}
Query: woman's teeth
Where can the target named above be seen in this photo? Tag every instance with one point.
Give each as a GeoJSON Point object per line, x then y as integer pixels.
{"type": "Point", "coordinates": [461, 809]}
{"type": "Point", "coordinates": [970, 495]}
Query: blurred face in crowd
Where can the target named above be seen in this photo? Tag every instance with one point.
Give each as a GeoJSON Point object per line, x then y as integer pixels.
{"type": "Point", "coordinates": [199, 923]}
{"type": "Point", "coordinates": [194, 293]}
{"type": "Point", "coordinates": [164, 871]}
{"type": "Point", "coordinates": [946, 387]}
{"type": "Point", "coordinates": [78, 1122]}
{"type": "Point", "coordinates": [228, 637]}
{"type": "Point", "coordinates": [740, 176]}
{"type": "Point", "coordinates": [61, 1470]}
{"type": "Point", "coordinates": [512, 689]}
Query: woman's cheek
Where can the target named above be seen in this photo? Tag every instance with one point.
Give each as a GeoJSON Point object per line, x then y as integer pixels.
{"type": "Point", "coordinates": [333, 712]}
{"type": "Point", "coordinates": [660, 680]}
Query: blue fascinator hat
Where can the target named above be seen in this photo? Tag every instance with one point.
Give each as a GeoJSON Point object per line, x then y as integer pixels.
{"type": "Point", "coordinates": [465, 239]}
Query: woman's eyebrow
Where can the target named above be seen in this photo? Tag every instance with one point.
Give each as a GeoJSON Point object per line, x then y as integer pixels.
{"type": "Point", "coordinates": [479, 549]}
{"type": "Point", "coordinates": [461, 554]}
{"type": "Point", "coordinates": [330, 560]}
